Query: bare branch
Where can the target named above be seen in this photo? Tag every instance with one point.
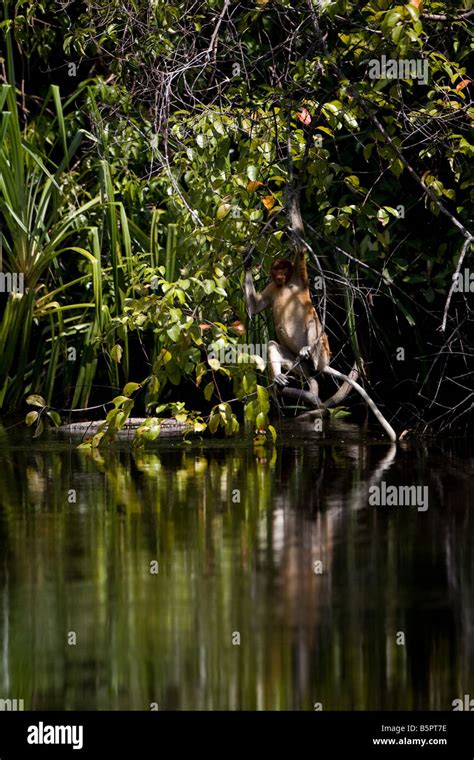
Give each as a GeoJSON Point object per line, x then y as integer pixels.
{"type": "Point", "coordinates": [429, 192]}
{"type": "Point", "coordinates": [467, 242]}
{"type": "Point", "coordinates": [441, 17]}
{"type": "Point", "coordinates": [212, 49]}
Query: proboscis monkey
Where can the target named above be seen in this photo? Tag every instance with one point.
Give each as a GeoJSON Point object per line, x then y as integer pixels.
{"type": "Point", "coordinates": [301, 338]}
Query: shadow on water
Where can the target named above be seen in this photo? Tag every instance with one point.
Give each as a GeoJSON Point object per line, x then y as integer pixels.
{"type": "Point", "coordinates": [335, 600]}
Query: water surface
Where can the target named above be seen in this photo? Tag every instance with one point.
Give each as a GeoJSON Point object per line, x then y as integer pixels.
{"type": "Point", "coordinates": [158, 563]}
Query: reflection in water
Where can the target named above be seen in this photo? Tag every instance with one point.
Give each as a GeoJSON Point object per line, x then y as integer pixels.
{"type": "Point", "coordinates": [237, 544]}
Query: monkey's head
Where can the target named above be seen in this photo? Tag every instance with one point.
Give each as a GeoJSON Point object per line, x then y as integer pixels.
{"type": "Point", "coordinates": [281, 271]}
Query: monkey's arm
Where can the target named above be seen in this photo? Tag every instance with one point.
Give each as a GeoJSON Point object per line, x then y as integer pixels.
{"type": "Point", "coordinates": [256, 302]}
{"type": "Point", "coordinates": [300, 271]}
{"type": "Point", "coordinates": [311, 339]}
{"type": "Point", "coordinates": [317, 345]}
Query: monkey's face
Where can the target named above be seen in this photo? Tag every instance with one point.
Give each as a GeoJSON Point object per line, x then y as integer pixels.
{"type": "Point", "coordinates": [281, 272]}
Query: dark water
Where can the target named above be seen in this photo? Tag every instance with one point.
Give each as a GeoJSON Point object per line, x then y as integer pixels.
{"type": "Point", "coordinates": [385, 622]}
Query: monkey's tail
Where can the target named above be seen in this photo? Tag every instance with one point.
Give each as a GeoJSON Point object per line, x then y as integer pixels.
{"type": "Point", "coordinates": [343, 390]}
{"type": "Point", "coordinates": [386, 425]}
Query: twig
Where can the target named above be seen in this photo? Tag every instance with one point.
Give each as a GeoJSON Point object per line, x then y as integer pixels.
{"type": "Point", "coordinates": [429, 192]}
{"type": "Point", "coordinates": [467, 242]}
{"type": "Point", "coordinates": [317, 28]}
{"type": "Point", "coordinates": [441, 17]}
{"type": "Point", "coordinates": [212, 49]}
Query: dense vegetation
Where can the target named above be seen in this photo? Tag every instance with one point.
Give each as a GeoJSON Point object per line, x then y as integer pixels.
{"type": "Point", "coordinates": [146, 145]}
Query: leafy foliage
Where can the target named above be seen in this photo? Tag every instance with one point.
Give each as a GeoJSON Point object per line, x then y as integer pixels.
{"type": "Point", "coordinates": [136, 194]}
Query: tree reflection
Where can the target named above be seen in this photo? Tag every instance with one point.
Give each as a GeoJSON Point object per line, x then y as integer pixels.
{"type": "Point", "coordinates": [236, 540]}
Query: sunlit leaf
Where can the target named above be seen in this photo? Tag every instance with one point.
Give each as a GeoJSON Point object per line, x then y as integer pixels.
{"type": "Point", "coordinates": [214, 423]}
{"type": "Point", "coordinates": [31, 417]}
{"type": "Point", "coordinates": [223, 210]}
{"type": "Point", "coordinates": [252, 172]}
{"type": "Point", "coordinates": [54, 417]}
{"type": "Point", "coordinates": [130, 388]}
{"type": "Point", "coordinates": [252, 185]}
{"type": "Point", "coordinates": [268, 201]}
{"type": "Point", "coordinates": [116, 353]}
{"type": "Point", "coordinates": [35, 400]}
{"type": "Point", "coordinates": [120, 400]}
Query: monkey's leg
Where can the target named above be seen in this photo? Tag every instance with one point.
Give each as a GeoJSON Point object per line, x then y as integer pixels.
{"type": "Point", "coordinates": [306, 373]}
{"type": "Point", "coordinates": [280, 358]}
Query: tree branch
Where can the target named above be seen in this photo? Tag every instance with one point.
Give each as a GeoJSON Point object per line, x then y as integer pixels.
{"type": "Point", "coordinates": [441, 17]}
{"type": "Point", "coordinates": [429, 192]}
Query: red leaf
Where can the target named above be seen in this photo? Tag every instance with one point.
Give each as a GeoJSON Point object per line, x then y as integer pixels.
{"type": "Point", "coordinates": [237, 327]}
{"type": "Point", "coordinates": [304, 116]}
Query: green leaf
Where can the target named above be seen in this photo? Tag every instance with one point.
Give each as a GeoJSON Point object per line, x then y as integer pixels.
{"type": "Point", "coordinates": [396, 167]}
{"type": "Point", "coordinates": [173, 374]}
{"type": "Point", "coordinates": [39, 429]}
{"type": "Point", "coordinates": [174, 332]}
{"type": "Point", "coordinates": [119, 400]}
{"type": "Point", "coordinates": [223, 210]}
{"type": "Point", "coordinates": [214, 423]}
{"type": "Point", "coordinates": [111, 416]}
{"type": "Point", "coordinates": [352, 181]}
{"type": "Point", "coordinates": [252, 173]}
{"type": "Point", "coordinates": [413, 11]}
{"type": "Point", "coordinates": [339, 412]}
{"type": "Point", "coordinates": [151, 433]}
{"type": "Point", "coordinates": [54, 417]}
{"type": "Point", "coordinates": [209, 390]}
{"type": "Point", "coordinates": [31, 417]}
{"type": "Point", "coordinates": [95, 443]}
{"type": "Point", "coordinates": [326, 130]}
{"type": "Point", "coordinates": [116, 353]}
{"type": "Point", "coordinates": [391, 18]}
{"type": "Point", "coordinates": [130, 388]}
{"type": "Point", "coordinates": [120, 419]}
{"type": "Point", "coordinates": [262, 396]}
